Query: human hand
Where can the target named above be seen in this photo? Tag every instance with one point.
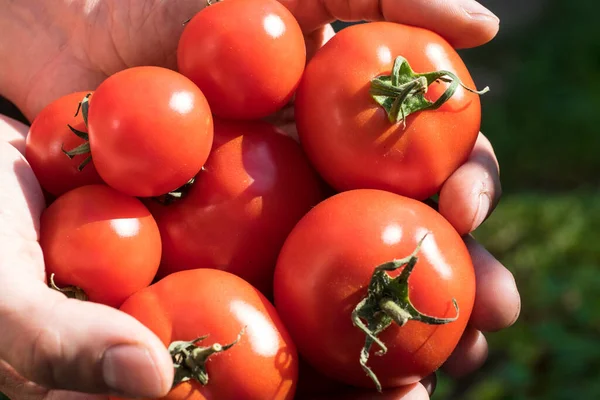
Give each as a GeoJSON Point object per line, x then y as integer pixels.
{"type": "Point", "coordinates": [76, 51]}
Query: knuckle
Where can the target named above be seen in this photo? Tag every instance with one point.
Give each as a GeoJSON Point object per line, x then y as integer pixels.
{"type": "Point", "coordinates": [44, 358]}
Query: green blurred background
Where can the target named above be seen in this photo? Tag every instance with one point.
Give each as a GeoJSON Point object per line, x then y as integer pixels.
{"type": "Point", "coordinates": [542, 116]}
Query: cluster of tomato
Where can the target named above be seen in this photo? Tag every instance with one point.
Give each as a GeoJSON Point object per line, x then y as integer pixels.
{"type": "Point", "coordinates": [176, 201]}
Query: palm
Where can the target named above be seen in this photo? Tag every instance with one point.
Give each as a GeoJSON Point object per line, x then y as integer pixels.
{"type": "Point", "coordinates": [84, 42]}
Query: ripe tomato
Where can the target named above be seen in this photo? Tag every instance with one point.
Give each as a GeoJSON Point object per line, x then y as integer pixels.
{"type": "Point", "coordinates": [349, 136]}
{"type": "Point", "coordinates": [150, 130]}
{"type": "Point", "coordinates": [247, 56]}
{"type": "Point", "coordinates": [255, 186]}
{"type": "Point", "coordinates": [48, 135]}
{"type": "Point", "coordinates": [327, 268]}
{"type": "Point", "coordinates": [262, 364]}
{"type": "Point", "coordinates": [101, 241]}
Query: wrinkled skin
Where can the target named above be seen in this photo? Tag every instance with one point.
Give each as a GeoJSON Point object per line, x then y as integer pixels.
{"type": "Point", "coordinates": [76, 45]}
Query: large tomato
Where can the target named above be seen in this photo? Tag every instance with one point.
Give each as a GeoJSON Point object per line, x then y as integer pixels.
{"type": "Point", "coordinates": [247, 56]}
{"type": "Point", "coordinates": [217, 305]}
{"type": "Point", "coordinates": [255, 186]}
{"type": "Point", "coordinates": [327, 283]}
{"type": "Point", "coordinates": [150, 130]}
{"type": "Point", "coordinates": [356, 140]}
{"type": "Point", "coordinates": [100, 241]}
{"type": "Point", "coordinates": [49, 137]}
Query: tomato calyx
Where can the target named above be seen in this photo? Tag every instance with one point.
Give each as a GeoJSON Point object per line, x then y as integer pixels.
{"type": "Point", "coordinates": [402, 92]}
{"type": "Point", "coordinates": [72, 292]}
{"type": "Point", "coordinates": [84, 148]}
{"type": "Point", "coordinates": [388, 301]}
{"type": "Point", "coordinates": [189, 359]}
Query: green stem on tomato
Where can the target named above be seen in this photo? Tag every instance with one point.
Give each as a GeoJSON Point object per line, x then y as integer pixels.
{"type": "Point", "coordinates": [402, 92]}
{"type": "Point", "coordinates": [189, 359]}
{"type": "Point", "coordinates": [388, 302]}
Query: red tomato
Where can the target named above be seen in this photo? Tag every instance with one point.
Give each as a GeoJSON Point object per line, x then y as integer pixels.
{"type": "Point", "coordinates": [256, 185]}
{"type": "Point", "coordinates": [262, 364]}
{"type": "Point", "coordinates": [48, 135]}
{"type": "Point", "coordinates": [100, 241]}
{"type": "Point", "coordinates": [247, 56]}
{"type": "Point", "coordinates": [150, 130]}
{"type": "Point", "coordinates": [348, 135]}
{"type": "Point", "coordinates": [325, 269]}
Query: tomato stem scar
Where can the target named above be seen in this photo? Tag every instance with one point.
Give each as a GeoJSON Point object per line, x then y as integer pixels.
{"type": "Point", "coordinates": [189, 359]}
{"type": "Point", "coordinates": [388, 301]}
{"type": "Point", "coordinates": [72, 292]}
{"type": "Point", "coordinates": [402, 92]}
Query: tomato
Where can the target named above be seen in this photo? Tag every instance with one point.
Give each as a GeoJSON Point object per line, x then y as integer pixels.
{"type": "Point", "coordinates": [150, 130]}
{"type": "Point", "coordinates": [261, 364]}
{"type": "Point", "coordinates": [255, 186]}
{"type": "Point", "coordinates": [350, 137]}
{"type": "Point", "coordinates": [327, 271]}
{"type": "Point", "coordinates": [100, 241]}
{"type": "Point", "coordinates": [247, 56]}
{"type": "Point", "coordinates": [48, 135]}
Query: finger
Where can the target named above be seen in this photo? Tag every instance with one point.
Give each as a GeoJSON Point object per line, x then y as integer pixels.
{"type": "Point", "coordinates": [13, 132]}
{"type": "Point", "coordinates": [497, 301]}
{"type": "Point", "coordinates": [16, 387]}
{"type": "Point", "coordinates": [469, 355]}
{"type": "Point", "coordinates": [471, 193]}
{"type": "Point", "coordinates": [464, 23]}
{"type": "Point", "coordinates": [66, 344]}
{"type": "Point", "coordinates": [429, 383]}
{"type": "Point", "coordinates": [317, 39]}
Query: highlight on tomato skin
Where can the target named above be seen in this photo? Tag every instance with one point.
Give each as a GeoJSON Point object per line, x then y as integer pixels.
{"type": "Point", "coordinates": [50, 135]}
{"type": "Point", "coordinates": [99, 244]}
{"type": "Point", "coordinates": [256, 185]}
{"type": "Point", "coordinates": [219, 307]}
{"type": "Point", "coordinates": [369, 112]}
{"type": "Point", "coordinates": [388, 262]}
{"type": "Point", "coordinates": [247, 57]}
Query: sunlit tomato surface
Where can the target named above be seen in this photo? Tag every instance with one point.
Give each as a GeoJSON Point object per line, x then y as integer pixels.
{"type": "Point", "coordinates": [348, 136]}
{"type": "Point", "coordinates": [101, 241]}
{"type": "Point", "coordinates": [326, 265]}
{"type": "Point", "coordinates": [262, 365]}
{"type": "Point", "coordinates": [150, 130]}
{"type": "Point", "coordinates": [247, 56]}
{"type": "Point", "coordinates": [256, 185]}
{"type": "Point", "coordinates": [48, 135]}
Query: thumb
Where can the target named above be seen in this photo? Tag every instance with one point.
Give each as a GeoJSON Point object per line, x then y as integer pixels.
{"type": "Point", "coordinates": [67, 344]}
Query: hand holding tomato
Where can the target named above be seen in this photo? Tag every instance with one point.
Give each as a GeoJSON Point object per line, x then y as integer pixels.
{"type": "Point", "coordinates": [62, 344]}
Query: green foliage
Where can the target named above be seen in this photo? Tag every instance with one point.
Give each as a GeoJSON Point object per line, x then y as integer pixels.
{"type": "Point", "coordinates": [550, 243]}
{"type": "Point", "coordinates": [542, 114]}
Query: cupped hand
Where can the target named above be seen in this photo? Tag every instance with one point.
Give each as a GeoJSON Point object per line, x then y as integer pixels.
{"type": "Point", "coordinates": [63, 344]}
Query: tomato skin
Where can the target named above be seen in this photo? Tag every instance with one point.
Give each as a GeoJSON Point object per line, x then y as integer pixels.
{"type": "Point", "coordinates": [101, 241]}
{"type": "Point", "coordinates": [325, 267]}
{"type": "Point", "coordinates": [48, 133]}
{"type": "Point", "coordinates": [194, 303]}
{"type": "Point", "coordinates": [247, 56]}
{"type": "Point", "coordinates": [256, 185]}
{"type": "Point", "coordinates": [150, 130]}
{"type": "Point", "coordinates": [348, 136]}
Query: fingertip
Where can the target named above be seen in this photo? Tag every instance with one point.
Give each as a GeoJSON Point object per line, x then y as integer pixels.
{"type": "Point", "coordinates": [469, 355]}
{"type": "Point", "coordinates": [472, 192]}
{"type": "Point", "coordinates": [497, 300]}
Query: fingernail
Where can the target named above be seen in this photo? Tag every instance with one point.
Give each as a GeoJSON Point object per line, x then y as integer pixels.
{"type": "Point", "coordinates": [130, 370]}
{"type": "Point", "coordinates": [479, 12]}
{"type": "Point", "coordinates": [482, 210]}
